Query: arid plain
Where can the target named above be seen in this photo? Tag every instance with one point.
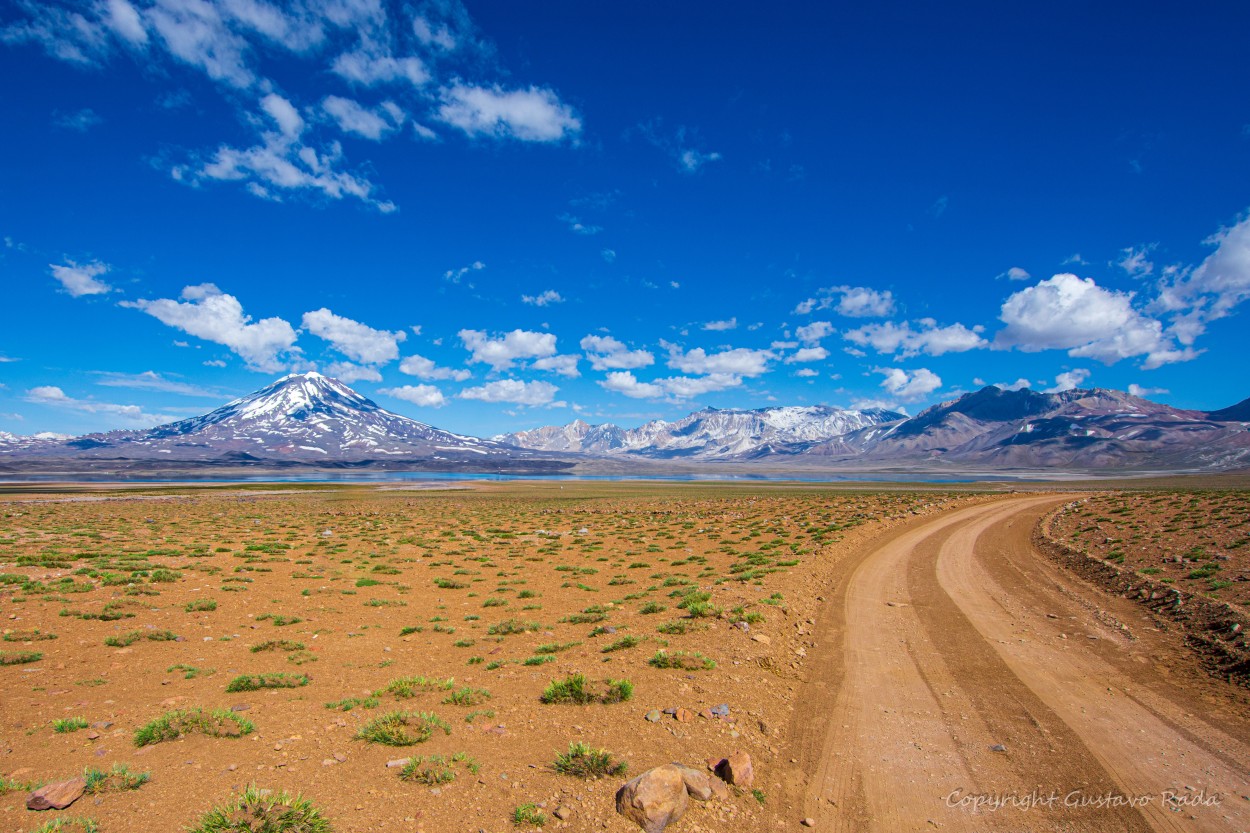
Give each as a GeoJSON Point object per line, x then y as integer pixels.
{"type": "Point", "coordinates": [890, 660]}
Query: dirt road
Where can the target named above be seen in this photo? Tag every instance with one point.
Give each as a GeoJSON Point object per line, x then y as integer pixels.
{"type": "Point", "coordinates": [962, 682]}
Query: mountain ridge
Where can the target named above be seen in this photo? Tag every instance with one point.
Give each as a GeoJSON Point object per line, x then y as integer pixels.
{"type": "Point", "coordinates": [309, 420]}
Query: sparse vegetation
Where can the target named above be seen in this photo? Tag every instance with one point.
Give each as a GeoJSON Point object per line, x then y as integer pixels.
{"type": "Point", "coordinates": [256, 682]}
{"type": "Point", "coordinates": [687, 661]}
{"type": "Point", "coordinates": [174, 724]}
{"type": "Point", "coordinates": [117, 779]}
{"type": "Point", "coordinates": [528, 814]}
{"type": "Point", "coordinates": [65, 725]}
{"type": "Point", "coordinates": [435, 770]}
{"type": "Point", "coordinates": [400, 728]}
{"type": "Point", "coordinates": [575, 689]}
{"type": "Point", "coordinates": [263, 811]}
{"type": "Point", "coordinates": [585, 761]}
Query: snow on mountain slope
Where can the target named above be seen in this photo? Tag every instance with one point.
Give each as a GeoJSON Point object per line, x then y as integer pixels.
{"type": "Point", "coordinates": [305, 417]}
{"type": "Point", "coordinates": [709, 434]}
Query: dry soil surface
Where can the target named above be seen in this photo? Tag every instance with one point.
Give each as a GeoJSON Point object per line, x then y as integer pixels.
{"type": "Point", "coordinates": [965, 683]}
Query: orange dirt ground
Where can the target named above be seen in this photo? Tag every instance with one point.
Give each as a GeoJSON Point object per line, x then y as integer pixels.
{"type": "Point", "coordinates": [902, 648]}
{"type": "Point", "coordinates": [356, 566]}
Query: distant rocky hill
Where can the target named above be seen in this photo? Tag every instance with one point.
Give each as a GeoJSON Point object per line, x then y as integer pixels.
{"type": "Point", "coordinates": [990, 429]}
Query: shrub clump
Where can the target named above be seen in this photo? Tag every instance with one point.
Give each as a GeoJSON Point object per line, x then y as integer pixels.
{"type": "Point", "coordinates": [585, 761]}
{"type": "Point", "coordinates": [574, 689]}
{"type": "Point", "coordinates": [693, 661]}
{"type": "Point", "coordinates": [255, 682]}
{"type": "Point", "coordinates": [117, 779]}
{"type": "Point", "coordinates": [511, 626]}
{"type": "Point", "coordinates": [172, 725]}
{"type": "Point", "coordinates": [436, 769]}
{"type": "Point", "coordinates": [66, 725]}
{"type": "Point", "coordinates": [263, 811]}
{"type": "Point", "coordinates": [19, 657]}
{"type": "Point", "coordinates": [405, 687]}
{"type": "Point", "coordinates": [402, 728]}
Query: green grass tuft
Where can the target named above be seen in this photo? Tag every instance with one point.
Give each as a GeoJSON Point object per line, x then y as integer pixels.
{"type": "Point", "coordinates": [255, 682]}
{"type": "Point", "coordinates": [528, 814]}
{"type": "Point", "coordinates": [693, 661]}
{"type": "Point", "coordinates": [63, 726]}
{"type": "Point", "coordinates": [172, 725]}
{"type": "Point", "coordinates": [584, 761]}
{"type": "Point", "coordinates": [263, 811]}
{"type": "Point", "coordinates": [436, 769]}
{"type": "Point", "coordinates": [117, 779]}
{"type": "Point", "coordinates": [402, 728]}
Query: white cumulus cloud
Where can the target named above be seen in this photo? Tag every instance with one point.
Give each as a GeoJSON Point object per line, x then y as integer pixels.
{"type": "Point", "coordinates": [564, 365]}
{"type": "Point", "coordinates": [813, 332]}
{"type": "Point", "coordinates": [424, 368]}
{"type": "Point", "coordinates": [607, 353]}
{"type": "Point", "coordinates": [673, 387]}
{"type": "Point", "coordinates": [500, 353]}
{"type": "Point", "coordinates": [532, 115]}
{"type": "Point", "coordinates": [1076, 314]}
{"type": "Point", "coordinates": [427, 396]}
{"type": "Point", "coordinates": [80, 279]}
{"type": "Point", "coordinates": [907, 386]}
{"type": "Point", "coordinates": [514, 391]}
{"type": "Point", "coordinates": [808, 354]}
{"type": "Point", "coordinates": [850, 301]}
{"type": "Point", "coordinates": [542, 299]}
{"type": "Point", "coordinates": [1068, 380]}
{"type": "Point", "coordinates": [739, 361]}
{"type": "Point", "coordinates": [926, 337]}
{"type": "Point", "coordinates": [347, 372]}
{"type": "Point", "coordinates": [208, 313]}
{"type": "Point", "coordinates": [53, 396]}
{"type": "Point", "coordinates": [721, 326]}
{"type": "Point", "coordinates": [352, 117]}
{"type": "Point", "coordinates": [353, 339]}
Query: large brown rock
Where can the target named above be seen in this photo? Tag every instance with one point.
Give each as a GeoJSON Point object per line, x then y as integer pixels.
{"type": "Point", "coordinates": [737, 769]}
{"type": "Point", "coordinates": [655, 799]}
{"type": "Point", "coordinates": [698, 784]}
{"type": "Point", "coordinates": [56, 796]}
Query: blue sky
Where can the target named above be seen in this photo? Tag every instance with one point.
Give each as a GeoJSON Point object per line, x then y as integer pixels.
{"type": "Point", "coordinates": [493, 216]}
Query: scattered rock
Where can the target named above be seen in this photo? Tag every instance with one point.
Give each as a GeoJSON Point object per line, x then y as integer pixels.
{"type": "Point", "coordinates": [562, 812]}
{"type": "Point", "coordinates": [737, 769]}
{"type": "Point", "coordinates": [339, 756]}
{"type": "Point", "coordinates": [654, 799]}
{"type": "Point", "coordinates": [808, 822]}
{"type": "Point", "coordinates": [722, 710]}
{"type": "Point", "coordinates": [56, 796]}
{"type": "Point", "coordinates": [998, 747]}
{"type": "Point", "coordinates": [93, 736]}
{"type": "Point", "coordinates": [761, 638]}
{"type": "Point", "coordinates": [683, 715]}
{"type": "Point", "coordinates": [706, 714]}
{"type": "Point", "coordinates": [398, 762]}
{"type": "Point", "coordinates": [654, 716]}
{"type": "Point", "coordinates": [241, 707]}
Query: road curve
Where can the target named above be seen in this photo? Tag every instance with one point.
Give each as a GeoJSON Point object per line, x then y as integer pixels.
{"type": "Point", "coordinates": [963, 682]}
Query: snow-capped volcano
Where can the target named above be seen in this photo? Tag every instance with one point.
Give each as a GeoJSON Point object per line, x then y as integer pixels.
{"type": "Point", "coordinates": [302, 418]}
{"type": "Point", "coordinates": [307, 414]}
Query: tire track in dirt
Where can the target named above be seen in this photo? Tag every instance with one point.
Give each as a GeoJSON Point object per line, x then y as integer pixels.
{"type": "Point", "coordinates": [938, 646]}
